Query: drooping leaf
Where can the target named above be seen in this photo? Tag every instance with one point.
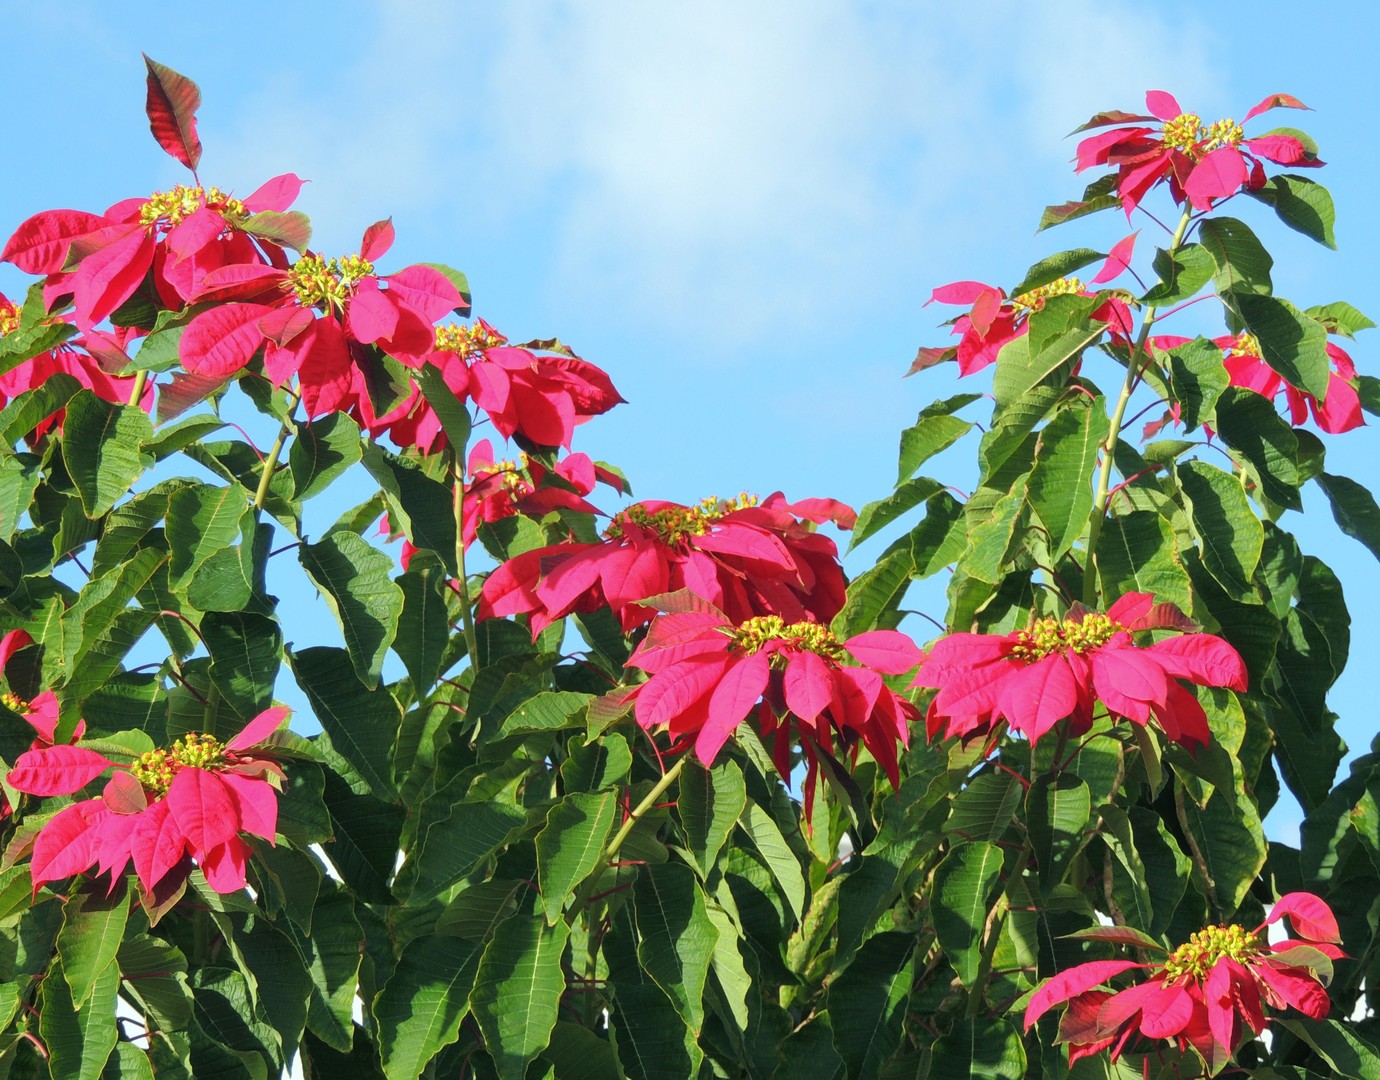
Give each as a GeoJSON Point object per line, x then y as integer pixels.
{"type": "Point", "coordinates": [877, 515]}
{"type": "Point", "coordinates": [677, 936]}
{"type": "Point", "coordinates": [92, 929]}
{"type": "Point", "coordinates": [355, 579]}
{"type": "Point", "coordinates": [1354, 509]}
{"type": "Point", "coordinates": [418, 505]}
{"type": "Point", "coordinates": [424, 625]}
{"type": "Point", "coordinates": [1224, 525]}
{"type": "Point", "coordinates": [362, 723]}
{"type": "Point", "coordinates": [1302, 204]}
{"type": "Point", "coordinates": [934, 430]}
{"type": "Point", "coordinates": [1182, 275]}
{"type": "Point", "coordinates": [867, 1003]}
{"type": "Point", "coordinates": [102, 446]}
{"type": "Point", "coordinates": [568, 848]}
{"type": "Point", "coordinates": [1243, 264]}
{"type": "Point", "coordinates": [1059, 265]}
{"type": "Point", "coordinates": [1199, 379]}
{"type": "Point", "coordinates": [1290, 342]}
{"type": "Point", "coordinates": [459, 842]}
{"type": "Point", "coordinates": [1060, 485]}
{"type": "Point", "coordinates": [1057, 809]}
{"type": "Point", "coordinates": [517, 991]}
{"type": "Point", "coordinates": [419, 1009]}
{"type": "Point", "coordinates": [79, 1040]}
{"type": "Point", "coordinates": [766, 837]}
{"type": "Point", "coordinates": [979, 1050]}
{"type": "Point", "coordinates": [1250, 424]}
{"type": "Point", "coordinates": [1137, 553]}
{"type": "Point", "coordinates": [710, 802]}
{"type": "Point", "coordinates": [323, 449]}
{"type": "Point", "coordinates": [246, 653]}
{"type": "Point", "coordinates": [963, 884]}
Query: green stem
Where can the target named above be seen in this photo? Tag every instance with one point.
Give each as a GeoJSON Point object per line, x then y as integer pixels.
{"type": "Point", "coordinates": [271, 462]}
{"type": "Point", "coordinates": [466, 614]}
{"type": "Point", "coordinates": [141, 380]}
{"type": "Point", "coordinates": [1135, 365]}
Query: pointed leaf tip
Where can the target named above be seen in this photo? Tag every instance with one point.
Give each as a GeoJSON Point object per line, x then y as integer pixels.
{"type": "Point", "coordinates": [173, 100]}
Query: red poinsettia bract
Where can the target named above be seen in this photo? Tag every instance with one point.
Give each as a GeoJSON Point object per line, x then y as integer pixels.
{"type": "Point", "coordinates": [710, 673]}
{"type": "Point", "coordinates": [1059, 668]}
{"type": "Point", "coordinates": [1205, 993]}
{"type": "Point", "coordinates": [1201, 162]}
{"type": "Point", "coordinates": [745, 557]}
{"type": "Point", "coordinates": [994, 319]}
{"type": "Point", "coordinates": [193, 799]}
{"type": "Point", "coordinates": [1339, 411]}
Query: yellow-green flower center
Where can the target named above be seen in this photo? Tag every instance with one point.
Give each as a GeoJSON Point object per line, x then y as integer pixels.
{"type": "Point", "coordinates": [1187, 133]}
{"type": "Point", "coordinates": [9, 317]}
{"type": "Point", "coordinates": [467, 342]}
{"type": "Point", "coordinates": [1050, 635]}
{"type": "Point", "coordinates": [173, 206]}
{"type": "Point", "coordinates": [512, 475]}
{"type": "Point", "coordinates": [15, 703]}
{"type": "Point", "coordinates": [754, 634]}
{"type": "Point", "coordinates": [327, 281]}
{"type": "Point", "coordinates": [674, 523]}
{"type": "Point", "coordinates": [1034, 300]}
{"type": "Point", "coordinates": [155, 769]}
{"type": "Point", "coordinates": [1196, 957]}
{"type": "Point", "coordinates": [1245, 345]}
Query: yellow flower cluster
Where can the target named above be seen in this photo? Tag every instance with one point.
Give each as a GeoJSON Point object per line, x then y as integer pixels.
{"type": "Point", "coordinates": [1050, 635]}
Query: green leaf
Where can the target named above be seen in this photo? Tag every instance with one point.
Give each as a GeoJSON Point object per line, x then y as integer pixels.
{"type": "Point", "coordinates": [940, 538]}
{"type": "Point", "coordinates": [455, 845]}
{"type": "Point", "coordinates": [878, 515]}
{"type": "Point", "coordinates": [1290, 342]}
{"type": "Point", "coordinates": [1345, 1051]}
{"type": "Point", "coordinates": [362, 724]}
{"type": "Point", "coordinates": [934, 430]}
{"type": "Point", "coordinates": [1059, 265]}
{"type": "Point", "coordinates": [551, 710]}
{"type": "Point", "coordinates": [766, 837]}
{"type": "Point", "coordinates": [1339, 317]}
{"type": "Point", "coordinates": [424, 626]}
{"type": "Point", "coordinates": [983, 810]}
{"type": "Point", "coordinates": [1182, 275]}
{"type": "Point", "coordinates": [201, 521]}
{"type": "Point", "coordinates": [449, 409]}
{"type": "Point", "coordinates": [290, 228]}
{"type": "Point", "coordinates": [979, 1050]}
{"type": "Point", "coordinates": [1137, 553]}
{"type": "Point", "coordinates": [517, 991]}
{"type": "Point", "coordinates": [1354, 509]}
{"type": "Point", "coordinates": [1057, 215]}
{"type": "Point", "coordinates": [365, 834]}
{"type": "Point", "coordinates": [580, 1054]}
{"type": "Point", "coordinates": [1243, 264]}
{"type": "Point", "coordinates": [420, 1007]}
{"type": "Point", "coordinates": [1199, 378]}
{"type": "Point", "coordinates": [331, 950]}
{"type": "Point", "coordinates": [417, 504]}
{"type": "Point", "coordinates": [1220, 516]}
{"type": "Point", "coordinates": [157, 973]}
{"type": "Point", "coordinates": [92, 928]}
{"type": "Point", "coordinates": [963, 883]}
{"type": "Point", "coordinates": [808, 1053]}
{"type": "Point", "coordinates": [323, 450]}
{"type": "Point", "coordinates": [79, 1041]}
{"type": "Point", "coordinates": [872, 594]}
{"type": "Point", "coordinates": [128, 1063]}
{"type": "Point", "coordinates": [568, 848]}
{"type": "Point", "coordinates": [1249, 423]}
{"type": "Point", "coordinates": [1130, 883]}
{"type": "Point", "coordinates": [102, 446]}
{"type": "Point", "coordinates": [1302, 204]}
{"type": "Point", "coordinates": [1060, 485]}
{"type": "Point", "coordinates": [30, 408]}
{"type": "Point", "coordinates": [867, 1003]}
{"type": "Point", "coordinates": [1057, 809]}
{"type": "Point", "coordinates": [677, 936]}
{"type": "Point", "coordinates": [246, 653]}
{"type": "Point", "coordinates": [653, 1041]}
{"type": "Point", "coordinates": [1232, 841]}
{"type": "Point", "coordinates": [355, 579]}
{"type": "Point", "coordinates": [710, 802]}
{"type": "Point", "coordinates": [28, 342]}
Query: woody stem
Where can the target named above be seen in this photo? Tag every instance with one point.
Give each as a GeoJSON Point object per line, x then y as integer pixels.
{"type": "Point", "coordinates": [1135, 365]}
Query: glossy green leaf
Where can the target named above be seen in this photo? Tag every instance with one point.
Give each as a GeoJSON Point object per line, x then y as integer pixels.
{"type": "Point", "coordinates": [21, 415]}
{"type": "Point", "coordinates": [1199, 379]}
{"type": "Point", "coordinates": [1137, 553]}
{"type": "Point", "coordinates": [653, 1040]}
{"type": "Point", "coordinates": [1339, 317]}
{"type": "Point", "coordinates": [766, 837]}
{"type": "Point", "coordinates": [579, 1054]}
{"type": "Point", "coordinates": [710, 802]}
{"type": "Point", "coordinates": [1302, 204]}
{"type": "Point", "coordinates": [1057, 809]}
{"type": "Point", "coordinates": [934, 430]}
{"type": "Point", "coordinates": [419, 1009]}
{"type": "Point", "coordinates": [1059, 265]}
{"type": "Point", "coordinates": [1223, 523]}
{"type": "Point", "coordinates": [1182, 275]}
{"type": "Point", "coordinates": [979, 1050]}
{"type": "Point", "coordinates": [1060, 485]}
{"type": "Point", "coordinates": [201, 521]}
{"type": "Point", "coordinates": [424, 625]}
{"type": "Point", "coordinates": [355, 580]}
{"type": "Point", "coordinates": [418, 505]}
{"type": "Point", "coordinates": [867, 1003]}
{"type": "Point", "coordinates": [79, 1041]}
{"type": "Point", "coordinates": [323, 449]}
{"type": "Point", "coordinates": [1243, 264]}
{"type": "Point", "coordinates": [102, 446]}
{"type": "Point", "coordinates": [1231, 839]}
{"type": "Point", "coordinates": [876, 516]}
{"type": "Point", "coordinates": [246, 653]}
{"type": "Point", "coordinates": [517, 991]}
{"type": "Point", "coordinates": [677, 936]}
{"type": "Point", "coordinates": [983, 810]}
{"type": "Point", "coordinates": [552, 710]}
{"type": "Point", "coordinates": [1345, 1051]}
{"type": "Point", "coordinates": [568, 848]}
{"type": "Point", "coordinates": [454, 846]}
{"type": "Point", "coordinates": [1354, 509]}
{"type": "Point", "coordinates": [362, 723]}
{"type": "Point", "coordinates": [963, 884]}
{"type": "Point", "coordinates": [940, 538]}
{"type": "Point", "coordinates": [1251, 425]}
{"type": "Point", "coordinates": [92, 928]}
{"type": "Point", "coordinates": [1290, 342]}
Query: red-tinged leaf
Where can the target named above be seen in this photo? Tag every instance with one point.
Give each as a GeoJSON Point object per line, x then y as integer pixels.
{"type": "Point", "coordinates": [219, 342]}
{"type": "Point", "coordinates": [740, 688]}
{"type": "Point", "coordinates": [256, 802]}
{"type": "Point", "coordinates": [156, 844]}
{"type": "Point", "coordinates": [378, 238]}
{"type": "Point", "coordinates": [683, 600]}
{"type": "Point", "coordinates": [746, 543]}
{"type": "Point", "coordinates": [183, 392]}
{"type": "Point", "coordinates": [887, 651]}
{"type": "Point", "coordinates": [203, 808]}
{"type": "Point", "coordinates": [1275, 101]}
{"type": "Point", "coordinates": [1117, 261]}
{"type": "Point", "coordinates": [1071, 982]}
{"type": "Point", "coordinates": [241, 281]}
{"type": "Point", "coordinates": [1110, 118]}
{"type": "Point", "coordinates": [258, 729]}
{"type": "Point", "coordinates": [194, 232]}
{"type": "Point", "coordinates": [962, 292]}
{"type": "Point", "coordinates": [809, 685]}
{"type": "Point", "coordinates": [1311, 919]}
{"type": "Point", "coordinates": [56, 770]}
{"type": "Point", "coordinates": [1219, 174]}
{"type": "Point", "coordinates": [816, 510]}
{"type": "Point", "coordinates": [1301, 991]}
{"type": "Point", "coordinates": [1165, 615]}
{"type": "Point", "coordinates": [40, 244]}
{"type": "Point", "coordinates": [291, 229]}
{"type": "Point", "coordinates": [224, 866]}
{"type": "Point", "coordinates": [1118, 935]}
{"type": "Point", "coordinates": [123, 794]}
{"type": "Point", "coordinates": [282, 325]}
{"type": "Point", "coordinates": [370, 315]}
{"type": "Point", "coordinates": [173, 100]}
{"type": "Point", "coordinates": [1162, 104]}
{"type": "Point", "coordinates": [276, 194]}
{"type": "Point", "coordinates": [1129, 608]}
{"type": "Point", "coordinates": [66, 845]}
{"type": "Point", "coordinates": [671, 638]}
{"type": "Point", "coordinates": [1201, 658]}
{"type": "Point", "coordinates": [1281, 149]}
{"type": "Point", "coordinates": [927, 357]}
{"type": "Point", "coordinates": [426, 291]}
{"type": "Point", "coordinates": [109, 276]}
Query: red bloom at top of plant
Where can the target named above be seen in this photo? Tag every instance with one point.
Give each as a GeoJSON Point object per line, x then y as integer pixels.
{"type": "Point", "coordinates": [1339, 411]}
{"type": "Point", "coordinates": [1059, 668]}
{"type": "Point", "coordinates": [994, 319]}
{"type": "Point", "coordinates": [1201, 162]}
{"type": "Point", "coordinates": [744, 557]}
{"type": "Point", "coordinates": [1206, 992]}
{"type": "Point", "coordinates": [709, 674]}
{"type": "Point", "coordinates": [193, 798]}
{"type": "Point", "coordinates": [309, 318]}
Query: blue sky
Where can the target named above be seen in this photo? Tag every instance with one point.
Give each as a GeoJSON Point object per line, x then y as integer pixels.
{"type": "Point", "coordinates": [735, 209]}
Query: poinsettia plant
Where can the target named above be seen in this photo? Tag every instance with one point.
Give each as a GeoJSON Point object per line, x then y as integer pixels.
{"type": "Point", "coordinates": [593, 787]}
